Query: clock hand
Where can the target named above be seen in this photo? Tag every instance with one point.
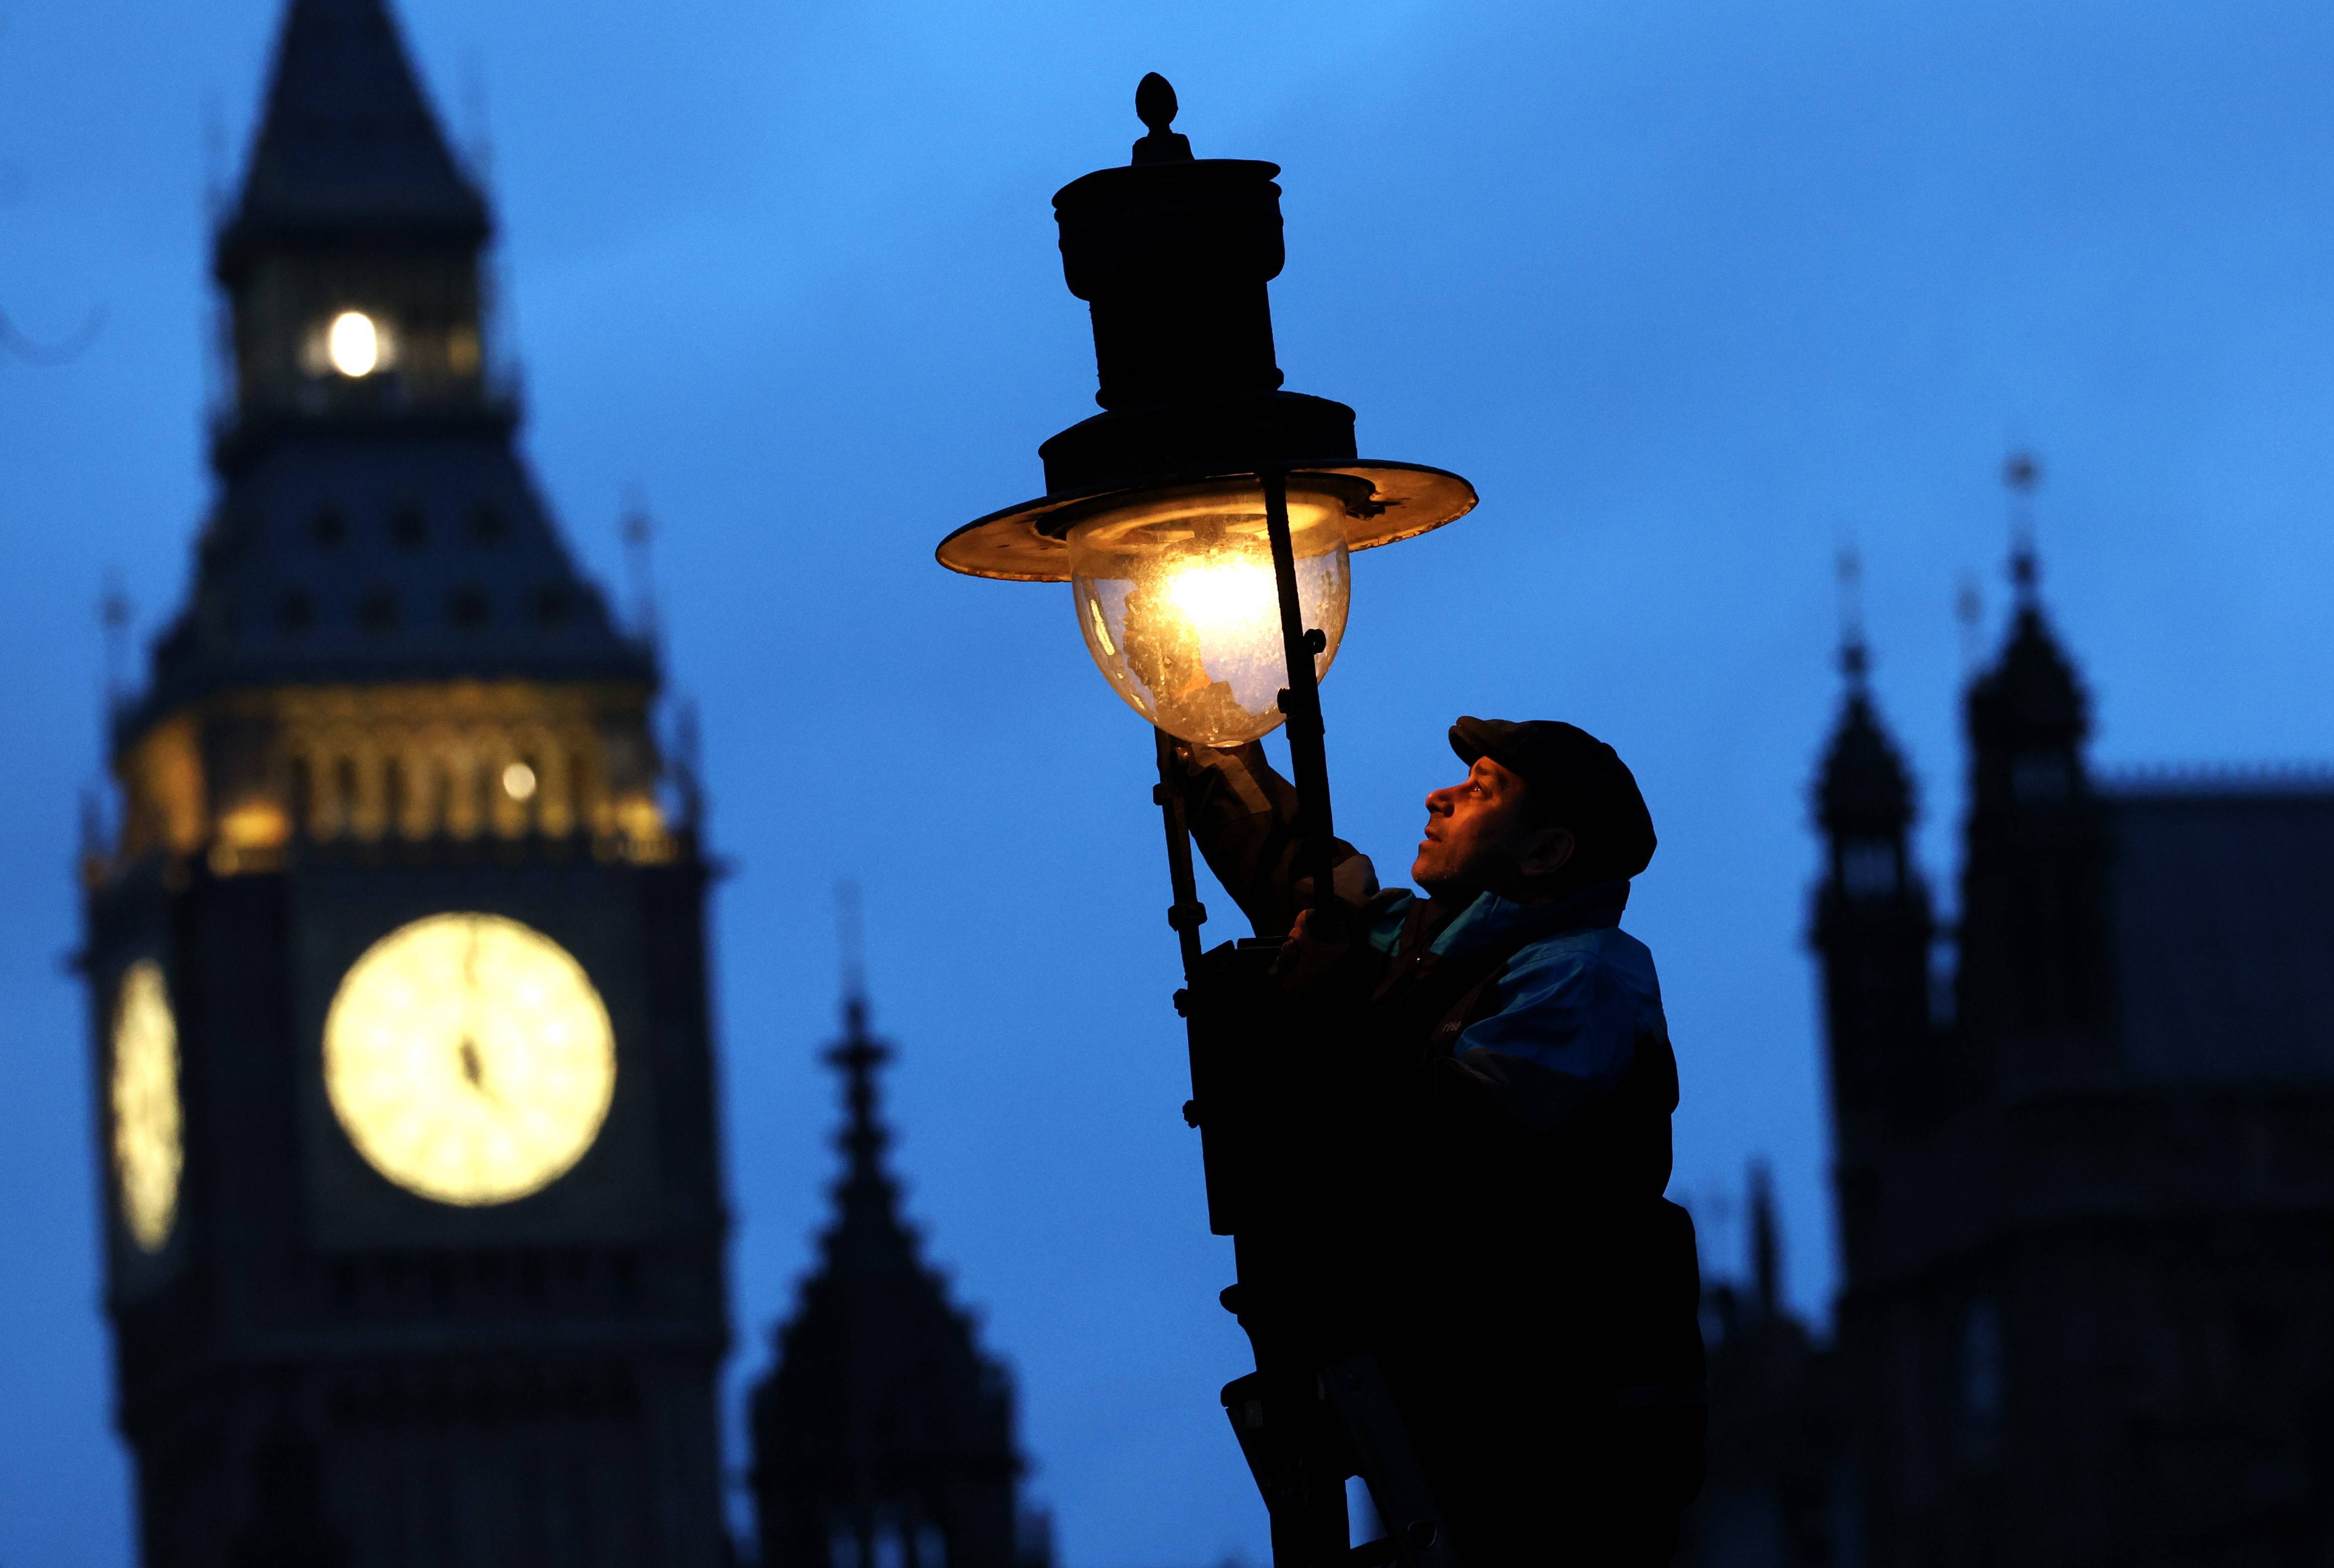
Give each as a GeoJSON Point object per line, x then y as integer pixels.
{"type": "Point", "coordinates": [474, 1066]}
{"type": "Point", "coordinates": [474, 1069]}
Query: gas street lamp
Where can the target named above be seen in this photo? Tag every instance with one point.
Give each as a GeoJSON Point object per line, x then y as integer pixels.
{"type": "Point", "coordinates": [1204, 522]}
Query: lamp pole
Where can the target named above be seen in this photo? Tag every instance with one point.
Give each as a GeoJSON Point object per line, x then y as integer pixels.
{"type": "Point", "coordinates": [1300, 700]}
{"type": "Point", "coordinates": [1204, 520]}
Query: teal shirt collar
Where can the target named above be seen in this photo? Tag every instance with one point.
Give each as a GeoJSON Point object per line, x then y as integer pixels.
{"type": "Point", "coordinates": [1492, 918]}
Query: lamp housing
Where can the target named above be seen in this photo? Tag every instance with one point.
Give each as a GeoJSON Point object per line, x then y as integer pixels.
{"type": "Point", "coordinates": [1155, 509]}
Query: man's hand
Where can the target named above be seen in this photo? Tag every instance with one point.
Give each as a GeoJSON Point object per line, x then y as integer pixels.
{"type": "Point", "coordinates": [1313, 954]}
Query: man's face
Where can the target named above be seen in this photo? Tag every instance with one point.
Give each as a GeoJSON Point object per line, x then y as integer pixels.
{"type": "Point", "coordinates": [1481, 838]}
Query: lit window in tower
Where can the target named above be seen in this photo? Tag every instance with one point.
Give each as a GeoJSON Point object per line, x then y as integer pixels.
{"type": "Point", "coordinates": [353, 344]}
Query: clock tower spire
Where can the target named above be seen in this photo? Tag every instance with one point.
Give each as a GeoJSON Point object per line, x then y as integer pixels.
{"type": "Point", "coordinates": [350, 258]}
{"type": "Point", "coordinates": [397, 964]}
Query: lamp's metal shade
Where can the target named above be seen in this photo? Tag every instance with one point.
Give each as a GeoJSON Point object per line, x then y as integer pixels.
{"type": "Point", "coordinates": [1173, 256]}
{"type": "Point", "coordinates": [1028, 543]}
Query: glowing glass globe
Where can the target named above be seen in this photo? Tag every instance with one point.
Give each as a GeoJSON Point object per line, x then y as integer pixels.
{"type": "Point", "coordinates": [1175, 592]}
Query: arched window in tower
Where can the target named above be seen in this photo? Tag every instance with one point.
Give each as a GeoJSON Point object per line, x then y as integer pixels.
{"type": "Point", "coordinates": [468, 608]}
{"type": "Point", "coordinates": [462, 353]}
{"type": "Point", "coordinates": [392, 797]}
{"type": "Point", "coordinates": [356, 344]}
{"type": "Point", "coordinates": [345, 793]}
{"type": "Point", "coordinates": [300, 796]}
{"type": "Point", "coordinates": [407, 528]}
{"type": "Point", "coordinates": [580, 791]}
{"type": "Point", "coordinates": [376, 611]}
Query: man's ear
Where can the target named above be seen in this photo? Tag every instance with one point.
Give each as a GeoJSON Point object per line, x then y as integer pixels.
{"type": "Point", "coordinates": [1548, 852]}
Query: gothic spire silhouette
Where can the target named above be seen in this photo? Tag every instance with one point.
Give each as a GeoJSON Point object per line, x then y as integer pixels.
{"type": "Point", "coordinates": [2028, 714]}
{"type": "Point", "coordinates": [2034, 981]}
{"type": "Point", "coordinates": [883, 1434]}
{"type": "Point", "coordinates": [1864, 793]}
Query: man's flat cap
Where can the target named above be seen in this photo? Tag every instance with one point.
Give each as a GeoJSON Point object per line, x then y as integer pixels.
{"type": "Point", "coordinates": [1577, 781]}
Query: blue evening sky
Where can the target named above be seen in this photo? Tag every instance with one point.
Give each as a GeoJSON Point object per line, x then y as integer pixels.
{"type": "Point", "coordinates": [1692, 289]}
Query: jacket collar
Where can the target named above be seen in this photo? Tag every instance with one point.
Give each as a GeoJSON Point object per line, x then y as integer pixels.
{"type": "Point", "coordinates": [1491, 919]}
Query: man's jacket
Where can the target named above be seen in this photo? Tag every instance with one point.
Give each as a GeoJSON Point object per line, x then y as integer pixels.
{"type": "Point", "coordinates": [1528, 1066]}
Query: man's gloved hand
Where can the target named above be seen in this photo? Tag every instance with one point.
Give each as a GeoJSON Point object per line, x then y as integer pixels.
{"type": "Point", "coordinates": [1319, 954]}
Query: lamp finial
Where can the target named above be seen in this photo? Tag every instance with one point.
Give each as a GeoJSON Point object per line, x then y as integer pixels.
{"type": "Point", "coordinates": [1154, 105]}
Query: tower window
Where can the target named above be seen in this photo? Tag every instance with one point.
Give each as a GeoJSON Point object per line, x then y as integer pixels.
{"type": "Point", "coordinates": [376, 611]}
{"type": "Point", "coordinates": [487, 523]}
{"type": "Point", "coordinates": [353, 343]}
{"type": "Point", "coordinates": [468, 608]}
{"type": "Point", "coordinates": [393, 793]}
{"type": "Point", "coordinates": [297, 612]}
{"type": "Point", "coordinates": [301, 792]}
{"type": "Point", "coordinates": [409, 528]}
{"type": "Point", "coordinates": [462, 351]}
{"type": "Point", "coordinates": [329, 528]}
{"type": "Point", "coordinates": [550, 606]}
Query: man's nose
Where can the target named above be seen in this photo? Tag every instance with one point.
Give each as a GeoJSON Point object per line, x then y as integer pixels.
{"type": "Point", "coordinates": [1438, 803]}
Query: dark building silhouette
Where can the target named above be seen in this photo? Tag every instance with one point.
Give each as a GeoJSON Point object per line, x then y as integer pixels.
{"type": "Point", "coordinates": [396, 960]}
{"type": "Point", "coordinates": [1772, 1497]}
{"type": "Point", "coordinates": [883, 1437]}
{"type": "Point", "coordinates": [2086, 1196]}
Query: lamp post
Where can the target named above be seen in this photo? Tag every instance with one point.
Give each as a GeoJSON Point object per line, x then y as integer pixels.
{"type": "Point", "coordinates": [1204, 522]}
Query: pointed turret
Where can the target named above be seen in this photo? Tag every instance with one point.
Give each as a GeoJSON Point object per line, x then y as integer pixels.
{"type": "Point", "coordinates": [1875, 930]}
{"type": "Point", "coordinates": [1864, 795]}
{"type": "Point", "coordinates": [350, 258]}
{"type": "Point", "coordinates": [2034, 997]}
{"type": "Point", "coordinates": [348, 147]}
{"type": "Point", "coordinates": [883, 1434]}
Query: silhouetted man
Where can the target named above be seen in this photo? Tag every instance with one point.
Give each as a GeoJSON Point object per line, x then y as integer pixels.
{"type": "Point", "coordinates": [1538, 1324]}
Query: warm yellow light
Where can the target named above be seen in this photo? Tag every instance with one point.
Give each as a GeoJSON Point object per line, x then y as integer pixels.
{"type": "Point", "coordinates": [518, 782]}
{"type": "Point", "coordinates": [1177, 600]}
{"type": "Point", "coordinates": [470, 1059]}
{"type": "Point", "coordinates": [148, 1143]}
{"type": "Point", "coordinates": [353, 344]}
{"type": "Point", "coordinates": [254, 826]}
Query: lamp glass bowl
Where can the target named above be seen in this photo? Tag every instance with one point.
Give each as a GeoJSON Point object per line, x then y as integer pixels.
{"type": "Point", "coordinates": [1175, 594]}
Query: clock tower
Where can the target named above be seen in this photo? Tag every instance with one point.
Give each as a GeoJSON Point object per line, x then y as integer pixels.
{"type": "Point", "coordinates": [396, 961]}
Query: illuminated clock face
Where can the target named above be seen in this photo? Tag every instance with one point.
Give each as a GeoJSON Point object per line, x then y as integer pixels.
{"type": "Point", "coordinates": [468, 1059]}
{"type": "Point", "coordinates": [148, 1148]}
